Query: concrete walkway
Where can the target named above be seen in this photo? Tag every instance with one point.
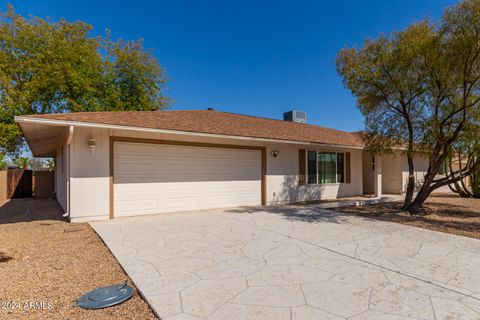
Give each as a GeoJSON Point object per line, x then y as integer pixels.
{"type": "Point", "coordinates": [295, 263]}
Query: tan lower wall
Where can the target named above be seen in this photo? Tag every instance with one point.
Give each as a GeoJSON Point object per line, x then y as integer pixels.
{"type": "Point", "coordinates": [3, 185]}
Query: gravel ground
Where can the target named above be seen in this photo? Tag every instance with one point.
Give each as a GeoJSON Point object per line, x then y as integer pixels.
{"type": "Point", "coordinates": [46, 260]}
{"type": "Point", "coordinates": [448, 213]}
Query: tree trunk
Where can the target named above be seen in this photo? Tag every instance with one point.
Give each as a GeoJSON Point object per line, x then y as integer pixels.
{"type": "Point", "coordinates": [422, 195]}
{"type": "Point", "coordinates": [411, 176]}
{"type": "Point", "coordinates": [425, 190]}
{"type": "Point", "coordinates": [455, 186]}
{"type": "Point", "coordinates": [475, 180]}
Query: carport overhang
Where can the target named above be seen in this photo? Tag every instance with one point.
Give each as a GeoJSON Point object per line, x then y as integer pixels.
{"type": "Point", "coordinates": [44, 139]}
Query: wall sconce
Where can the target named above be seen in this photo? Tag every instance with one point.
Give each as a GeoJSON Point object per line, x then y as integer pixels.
{"type": "Point", "coordinates": [92, 143]}
{"type": "Point", "coordinates": [275, 153]}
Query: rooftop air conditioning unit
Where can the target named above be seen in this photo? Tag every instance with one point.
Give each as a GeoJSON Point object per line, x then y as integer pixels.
{"type": "Point", "coordinates": [295, 116]}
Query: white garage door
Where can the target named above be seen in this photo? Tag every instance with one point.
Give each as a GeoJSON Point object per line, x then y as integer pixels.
{"type": "Point", "coordinates": [153, 178]}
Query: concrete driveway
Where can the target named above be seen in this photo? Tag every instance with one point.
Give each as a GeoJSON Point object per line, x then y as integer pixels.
{"type": "Point", "coordinates": [295, 263]}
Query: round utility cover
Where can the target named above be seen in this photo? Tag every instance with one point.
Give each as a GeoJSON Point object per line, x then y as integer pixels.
{"type": "Point", "coordinates": [105, 297]}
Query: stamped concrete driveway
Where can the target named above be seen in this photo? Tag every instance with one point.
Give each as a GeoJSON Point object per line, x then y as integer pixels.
{"type": "Point", "coordinates": [295, 263]}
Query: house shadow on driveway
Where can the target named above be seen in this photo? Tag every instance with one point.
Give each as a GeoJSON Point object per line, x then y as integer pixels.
{"type": "Point", "coordinates": [303, 213]}
{"type": "Point", "coordinates": [27, 210]}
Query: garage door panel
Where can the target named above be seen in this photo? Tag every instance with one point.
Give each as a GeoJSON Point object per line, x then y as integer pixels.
{"type": "Point", "coordinates": [242, 185]}
{"type": "Point", "coordinates": [178, 151]}
{"type": "Point", "coordinates": [135, 178]}
{"type": "Point", "coordinates": [172, 204]}
{"type": "Point", "coordinates": [178, 190]}
{"type": "Point", "coordinates": [178, 178]}
{"type": "Point", "coordinates": [183, 169]}
{"type": "Point", "coordinates": [136, 149]}
{"type": "Point", "coordinates": [166, 178]}
{"type": "Point", "coordinates": [215, 153]}
{"type": "Point", "coordinates": [139, 156]}
{"type": "Point", "coordinates": [205, 187]}
{"type": "Point", "coordinates": [216, 169]}
{"type": "Point", "coordinates": [125, 170]}
{"type": "Point", "coordinates": [218, 201]}
{"type": "Point", "coordinates": [246, 200]}
{"type": "Point", "coordinates": [246, 154]}
{"type": "Point", "coordinates": [129, 206]}
{"type": "Point", "coordinates": [130, 189]}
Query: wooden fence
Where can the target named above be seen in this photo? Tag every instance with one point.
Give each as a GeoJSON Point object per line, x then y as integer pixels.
{"type": "Point", "coordinates": [19, 183]}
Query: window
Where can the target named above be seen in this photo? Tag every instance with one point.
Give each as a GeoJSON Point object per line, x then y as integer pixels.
{"type": "Point", "coordinates": [325, 167]}
{"type": "Point", "coordinates": [312, 167]}
{"type": "Point", "coordinates": [341, 167]}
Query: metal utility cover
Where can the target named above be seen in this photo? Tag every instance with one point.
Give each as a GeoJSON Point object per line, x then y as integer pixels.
{"type": "Point", "coordinates": [105, 297]}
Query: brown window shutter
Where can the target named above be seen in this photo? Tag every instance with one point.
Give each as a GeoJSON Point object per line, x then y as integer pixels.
{"type": "Point", "coordinates": [302, 177]}
{"type": "Point", "coordinates": [348, 173]}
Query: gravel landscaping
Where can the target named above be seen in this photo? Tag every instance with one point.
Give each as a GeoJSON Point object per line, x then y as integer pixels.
{"type": "Point", "coordinates": [447, 212]}
{"type": "Point", "coordinates": [50, 262]}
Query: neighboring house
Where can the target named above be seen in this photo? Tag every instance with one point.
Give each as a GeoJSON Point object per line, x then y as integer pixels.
{"type": "Point", "coordinates": [116, 164]}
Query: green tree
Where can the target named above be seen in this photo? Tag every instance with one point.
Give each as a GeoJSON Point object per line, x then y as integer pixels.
{"type": "Point", "coordinates": [50, 165]}
{"type": "Point", "coordinates": [3, 162]}
{"type": "Point", "coordinates": [22, 162]}
{"type": "Point", "coordinates": [382, 75]}
{"type": "Point", "coordinates": [420, 88]}
{"type": "Point", "coordinates": [56, 66]}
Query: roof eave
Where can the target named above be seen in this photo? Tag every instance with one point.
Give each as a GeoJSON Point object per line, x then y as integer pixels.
{"type": "Point", "coordinates": [54, 122]}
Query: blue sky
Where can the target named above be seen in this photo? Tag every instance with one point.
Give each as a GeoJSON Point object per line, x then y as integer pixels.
{"type": "Point", "coordinates": [253, 57]}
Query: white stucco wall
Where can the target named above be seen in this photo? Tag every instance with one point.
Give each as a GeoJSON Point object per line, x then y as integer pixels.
{"type": "Point", "coordinates": [420, 164]}
{"type": "Point", "coordinates": [61, 172]}
{"type": "Point", "coordinates": [62, 169]}
{"type": "Point", "coordinates": [90, 173]}
{"type": "Point", "coordinates": [392, 173]}
{"type": "Point", "coordinates": [282, 177]}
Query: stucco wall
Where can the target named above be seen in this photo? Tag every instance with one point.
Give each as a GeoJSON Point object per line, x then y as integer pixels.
{"type": "Point", "coordinates": [282, 176]}
{"type": "Point", "coordinates": [392, 173]}
{"type": "Point", "coordinates": [61, 174]}
{"type": "Point", "coordinates": [90, 175]}
{"type": "Point", "coordinates": [420, 164]}
{"type": "Point", "coordinates": [90, 172]}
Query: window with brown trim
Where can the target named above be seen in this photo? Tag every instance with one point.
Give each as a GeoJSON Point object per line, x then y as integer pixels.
{"type": "Point", "coordinates": [327, 167]}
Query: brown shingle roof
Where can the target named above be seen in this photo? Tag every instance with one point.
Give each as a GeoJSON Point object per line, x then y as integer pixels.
{"type": "Point", "coordinates": [214, 122]}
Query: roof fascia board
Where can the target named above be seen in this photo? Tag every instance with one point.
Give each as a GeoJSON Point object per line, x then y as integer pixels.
{"type": "Point", "coordinates": [21, 119]}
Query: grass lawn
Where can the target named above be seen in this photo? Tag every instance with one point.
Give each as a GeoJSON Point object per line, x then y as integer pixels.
{"type": "Point", "coordinates": [53, 262]}
{"type": "Point", "coordinates": [447, 213]}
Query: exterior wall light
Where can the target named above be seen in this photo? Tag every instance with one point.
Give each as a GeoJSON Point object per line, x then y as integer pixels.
{"type": "Point", "coordinates": [275, 153]}
{"type": "Point", "coordinates": [92, 143]}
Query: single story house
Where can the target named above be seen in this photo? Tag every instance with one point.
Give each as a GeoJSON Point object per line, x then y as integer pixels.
{"type": "Point", "coordinates": [117, 164]}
